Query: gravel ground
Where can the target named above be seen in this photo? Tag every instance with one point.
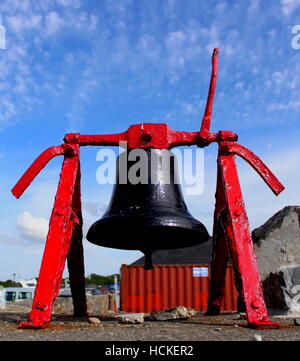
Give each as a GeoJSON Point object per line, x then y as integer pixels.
{"type": "Point", "coordinates": [227, 327]}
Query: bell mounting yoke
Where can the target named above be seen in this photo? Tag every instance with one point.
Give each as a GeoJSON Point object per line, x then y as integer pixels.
{"type": "Point", "coordinates": [231, 232]}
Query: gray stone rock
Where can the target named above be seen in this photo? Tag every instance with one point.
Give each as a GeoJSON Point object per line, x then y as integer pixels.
{"type": "Point", "coordinates": [180, 312]}
{"type": "Point", "coordinates": [277, 242]}
{"type": "Point", "coordinates": [94, 320]}
{"type": "Point", "coordinates": [277, 250]}
{"type": "Point", "coordinates": [257, 337]}
{"type": "Point", "coordinates": [282, 290]}
{"type": "Point", "coordinates": [132, 318]}
{"type": "Point", "coordinates": [95, 304]}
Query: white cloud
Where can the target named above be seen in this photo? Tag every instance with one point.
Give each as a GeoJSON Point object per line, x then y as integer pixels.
{"type": "Point", "coordinates": [24, 80]}
{"type": "Point", "coordinates": [53, 23]}
{"type": "Point", "coordinates": [13, 6]}
{"type": "Point", "coordinates": [84, 22]}
{"type": "Point", "coordinates": [34, 228]}
{"type": "Point", "coordinates": [7, 110]}
{"type": "Point", "coordinates": [74, 3]}
{"type": "Point", "coordinates": [291, 105]}
{"type": "Point", "coordinates": [175, 38]}
{"type": "Point", "coordinates": [24, 22]}
{"type": "Point", "coordinates": [289, 6]}
{"type": "Point", "coordinates": [280, 77]}
{"type": "Point", "coordinates": [285, 81]}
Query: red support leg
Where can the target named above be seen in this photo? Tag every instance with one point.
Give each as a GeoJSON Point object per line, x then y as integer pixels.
{"type": "Point", "coordinates": [75, 256]}
{"type": "Point", "coordinates": [57, 244]}
{"type": "Point", "coordinates": [241, 246]}
{"type": "Point", "coordinates": [219, 260]}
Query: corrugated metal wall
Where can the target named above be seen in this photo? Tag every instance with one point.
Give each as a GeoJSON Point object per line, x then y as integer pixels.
{"type": "Point", "coordinates": [169, 286]}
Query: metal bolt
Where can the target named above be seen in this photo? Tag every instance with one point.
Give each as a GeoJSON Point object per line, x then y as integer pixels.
{"type": "Point", "coordinates": [69, 151]}
{"type": "Point", "coordinates": [255, 304]}
{"type": "Point", "coordinates": [146, 137]}
{"type": "Point", "coordinates": [40, 306]}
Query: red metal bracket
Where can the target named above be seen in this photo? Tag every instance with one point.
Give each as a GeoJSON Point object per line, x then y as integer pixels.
{"type": "Point", "coordinates": [232, 235]}
{"type": "Point", "coordinates": [265, 173]}
{"type": "Point", "coordinates": [205, 126]}
{"type": "Point", "coordinates": [231, 228]}
{"type": "Point", "coordinates": [37, 166]}
{"type": "Point", "coordinates": [64, 238]}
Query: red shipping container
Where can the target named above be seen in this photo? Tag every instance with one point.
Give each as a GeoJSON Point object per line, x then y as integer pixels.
{"type": "Point", "coordinates": [168, 286]}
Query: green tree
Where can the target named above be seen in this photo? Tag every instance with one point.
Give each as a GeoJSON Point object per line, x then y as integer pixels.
{"type": "Point", "coordinates": [10, 283]}
{"type": "Point", "coordinates": [101, 280]}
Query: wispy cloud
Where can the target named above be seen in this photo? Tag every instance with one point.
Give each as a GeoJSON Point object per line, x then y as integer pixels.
{"type": "Point", "coordinates": [107, 49]}
{"type": "Point", "coordinates": [73, 3]}
{"type": "Point", "coordinates": [289, 6]}
{"type": "Point", "coordinates": [7, 110]}
{"type": "Point", "coordinates": [25, 75]}
{"type": "Point", "coordinates": [291, 105]}
{"type": "Point", "coordinates": [24, 22]}
{"type": "Point", "coordinates": [53, 22]}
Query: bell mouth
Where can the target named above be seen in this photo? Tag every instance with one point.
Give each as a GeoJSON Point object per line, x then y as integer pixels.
{"type": "Point", "coordinates": [144, 232]}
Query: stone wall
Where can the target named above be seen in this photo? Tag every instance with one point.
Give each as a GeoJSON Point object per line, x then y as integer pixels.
{"type": "Point", "coordinates": [95, 304]}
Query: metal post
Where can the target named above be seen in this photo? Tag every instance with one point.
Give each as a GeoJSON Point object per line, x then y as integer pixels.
{"type": "Point", "coordinates": [116, 292]}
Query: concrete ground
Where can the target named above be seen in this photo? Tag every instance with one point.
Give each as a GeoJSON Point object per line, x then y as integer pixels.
{"type": "Point", "coordinates": [227, 327]}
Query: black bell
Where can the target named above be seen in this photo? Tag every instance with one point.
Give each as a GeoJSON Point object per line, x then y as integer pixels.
{"type": "Point", "coordinates": [147, 211]}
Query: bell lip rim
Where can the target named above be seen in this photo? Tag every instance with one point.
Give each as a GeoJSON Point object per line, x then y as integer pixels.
{"type": "Point", "coordinates": [196, 237]}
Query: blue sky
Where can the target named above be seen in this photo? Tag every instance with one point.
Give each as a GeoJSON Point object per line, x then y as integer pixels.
{"type": "Point", "coordinates": [100, 66]}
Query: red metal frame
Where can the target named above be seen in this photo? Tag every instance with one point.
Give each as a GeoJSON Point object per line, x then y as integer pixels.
{"type": "Point", "coordinates": [231, 228]}
{"type": "Point", "coordinates": [232, 236]}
